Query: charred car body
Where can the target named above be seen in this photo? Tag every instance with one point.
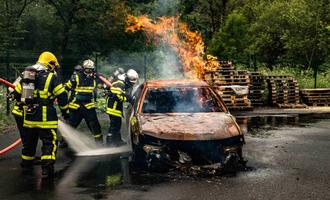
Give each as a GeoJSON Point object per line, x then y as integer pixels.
{"type": "Point", "coordinates": [183, 123]}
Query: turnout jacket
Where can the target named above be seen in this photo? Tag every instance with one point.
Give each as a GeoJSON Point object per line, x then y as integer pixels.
{"type": "Point", "coordinates": [83, 91]}
{"type": "Point", "coordinates": [41, 113]}
{"type": "Point", "coordinates": [18, 106]}
{"type": "Point", "coordinates": [116, 98]}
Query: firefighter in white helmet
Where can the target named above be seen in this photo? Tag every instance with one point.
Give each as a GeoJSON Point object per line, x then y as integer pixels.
{"type": "Point", "coordinates": [82, 105]}
{"type": "Point", "coordinates": [115, 74]}
{"type": "Point", "coordinates": [116, 97]}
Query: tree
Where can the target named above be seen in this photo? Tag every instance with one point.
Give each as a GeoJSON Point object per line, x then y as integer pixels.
{"type": "Point", "coordinates": [231, 41]}
{"type": "Point", "coordinates": [207, 16]}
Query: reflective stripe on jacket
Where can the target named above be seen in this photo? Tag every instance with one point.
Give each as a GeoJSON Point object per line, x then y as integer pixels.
{"type": "Point", "coordinates": [82, 89]}
{"type": "Point", "coordinates": [42, 114]}
{"type": "Point", "coordinates": [116, 98]}
{"type": "Point", "coordinates": [17, 109]}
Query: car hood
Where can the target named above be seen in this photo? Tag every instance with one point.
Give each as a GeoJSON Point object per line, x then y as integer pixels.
{"type": "Point", "coordinates": [190, 126]}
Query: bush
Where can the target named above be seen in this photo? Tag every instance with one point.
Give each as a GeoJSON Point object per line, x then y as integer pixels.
{"type": "Point", "coordinates": [305, 78]}
{"type": "Point", "coordinates": [5, 120]}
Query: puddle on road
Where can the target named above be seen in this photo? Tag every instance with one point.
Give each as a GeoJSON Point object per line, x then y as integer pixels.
{"type": "Point", "coordinates": [96, 177]}
{"type": "Point", "coordinates": [112, 172]}
{"type": "Point", "coordinates": [261, 126]}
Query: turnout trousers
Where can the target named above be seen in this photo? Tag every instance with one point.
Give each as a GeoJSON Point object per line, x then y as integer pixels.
{"type": "Point", "coordinates": [114, 129]}
{"type": "Point", "coordinates": [76, 116]}
{"type": "Point", "coordinates": [22, 131]}
{"type": "Point", "coordinates": [49, 146]}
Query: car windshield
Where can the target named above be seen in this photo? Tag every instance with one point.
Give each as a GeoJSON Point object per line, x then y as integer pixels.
{"type": "Point", "coordinates": [171, 100]}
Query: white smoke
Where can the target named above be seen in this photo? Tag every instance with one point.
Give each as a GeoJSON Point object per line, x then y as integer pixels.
{"type": "Point", "coordinates": [162, 63]}
{"type": "Point", "coordinates": [167, 65]}
{"type": "Point", "coordinates": [166, 7]}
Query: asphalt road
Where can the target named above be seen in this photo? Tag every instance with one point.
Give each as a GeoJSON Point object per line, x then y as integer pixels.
{"type": "Point", "coordinates": [289, 156]}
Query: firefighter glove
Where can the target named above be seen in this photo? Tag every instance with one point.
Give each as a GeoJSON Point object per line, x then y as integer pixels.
{"type": "Point", "coordinates": [10, 96]}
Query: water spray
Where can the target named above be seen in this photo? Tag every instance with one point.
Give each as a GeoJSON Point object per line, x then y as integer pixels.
{"type": "Point", "coordinates": [84, 145]}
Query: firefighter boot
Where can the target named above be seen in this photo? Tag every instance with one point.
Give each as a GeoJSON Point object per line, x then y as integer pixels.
{"type": "Point", "coordinates": [27, 167]}
{"type": "Point", "coordinates": [47, 171]}
{"type": "Point", "coordinates": [99, 140]}
{"type": "Point", "coordinates": [116, 139]}
{"type": "Point", "coordinates": [108, 138]}
{"type": "Point", "coordinates": [37, 160]}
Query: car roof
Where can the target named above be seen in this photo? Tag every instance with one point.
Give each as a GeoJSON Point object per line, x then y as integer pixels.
{"type": "Point", "coordinates": [176, 83]}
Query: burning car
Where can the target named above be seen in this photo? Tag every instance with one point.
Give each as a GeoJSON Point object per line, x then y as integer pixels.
{"type": "Point", "coordinates": [177, 123]}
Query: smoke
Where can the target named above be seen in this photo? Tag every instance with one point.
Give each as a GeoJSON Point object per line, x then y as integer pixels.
{"type": "Point", "coordinates": [177, 100]}
{"type": "Point", "coordinates": [166, 7]}
{"type": "Point", "coordinates": [160, 64]}
{"type": "Point", "coordinates": [167, 63]}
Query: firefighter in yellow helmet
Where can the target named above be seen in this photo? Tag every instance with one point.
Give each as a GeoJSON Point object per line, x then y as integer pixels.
{"type": "Point", "coordinates": [17, 110]}
{"type": "Point", "coordinates": [82, 105]}
{"type": "Point", "coordinates": [37, 91]}
{"type": "Point", "coordinates": [116, 97]}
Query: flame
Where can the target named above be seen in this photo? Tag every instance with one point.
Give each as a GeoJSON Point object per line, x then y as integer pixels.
{"type": "Point", "coordinates": [188, 45]}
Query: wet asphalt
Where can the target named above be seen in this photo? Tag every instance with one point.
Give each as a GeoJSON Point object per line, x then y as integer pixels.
{"type": "Point", "coordinates": [288, 158]}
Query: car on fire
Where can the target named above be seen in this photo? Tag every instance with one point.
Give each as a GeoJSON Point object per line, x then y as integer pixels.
{"type": "Point", "coordinates": [183, 122]}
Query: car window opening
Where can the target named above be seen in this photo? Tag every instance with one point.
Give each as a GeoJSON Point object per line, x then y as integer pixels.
{"type": "Point", "coordinates": [176, 100]}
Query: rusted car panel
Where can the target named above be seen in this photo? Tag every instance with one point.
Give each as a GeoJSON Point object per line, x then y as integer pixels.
{"type": "Point", "coordinates": [190, 126]}
{"type": "Point", "coordinates": [184, 122]}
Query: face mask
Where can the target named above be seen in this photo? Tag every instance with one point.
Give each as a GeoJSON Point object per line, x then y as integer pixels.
{"type": "Point", "coordinates": [89, 72]}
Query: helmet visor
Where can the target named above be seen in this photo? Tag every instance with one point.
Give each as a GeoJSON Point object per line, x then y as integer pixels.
{"type": "Point", "coordinates": [88, 70]}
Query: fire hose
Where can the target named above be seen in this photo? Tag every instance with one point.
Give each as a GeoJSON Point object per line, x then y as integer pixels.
{"type": "Point", "coordinates": [8, 84]}
{"type": "Point", "coordinates": [103, 79]}
{"type": "Point", "coordinates": [18, 141]}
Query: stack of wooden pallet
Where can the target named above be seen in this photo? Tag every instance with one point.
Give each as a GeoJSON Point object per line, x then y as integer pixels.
{"type": "Point", "coordinates": [235, 96]}
{"type": "Point", "coordinates": [230, 84]}
{"type": "Point", "coordinates": [257, 88]}
{"type": "Point", "coordinates": [283, 92]}
{"type": "Point", "coordinates": [226, 69]}
{"type": "Point", "coordinates": [316, 97]}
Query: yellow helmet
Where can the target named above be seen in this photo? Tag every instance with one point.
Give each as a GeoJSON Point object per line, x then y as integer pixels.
{"type": "Point", "coordinates": [49, 60]}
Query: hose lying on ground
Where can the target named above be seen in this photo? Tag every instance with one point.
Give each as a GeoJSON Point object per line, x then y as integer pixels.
{"type": "Point", "coordinates": [18, 141]}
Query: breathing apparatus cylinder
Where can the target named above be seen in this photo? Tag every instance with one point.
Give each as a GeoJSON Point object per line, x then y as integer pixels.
{"type": "Point", "coordinates": [28, 84]}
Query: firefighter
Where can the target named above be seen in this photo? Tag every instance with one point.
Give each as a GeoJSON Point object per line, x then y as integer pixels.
{"type": "Point", "coordinates": [116, 73]}
{"type": "Point", "coordinates": [116, 97]}
{"type": "Point", "coordinates": [82, 106]}
{"type": "Point", "coordinates": [76, 69]}
{"type": "Point", "coordinates": [37, 91]}
{"type": "Point", "coordinates": [17, 110]}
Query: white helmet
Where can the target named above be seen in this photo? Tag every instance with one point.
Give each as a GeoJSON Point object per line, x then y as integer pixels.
{"type": "Point", "coordinates": [88, 64]}
{"type": "Point", "coordinates": [119, 71]}
{"type": "Point", "coordinates": [132, 76]}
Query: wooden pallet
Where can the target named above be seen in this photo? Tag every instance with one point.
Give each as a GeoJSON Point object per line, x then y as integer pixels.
{"type": "Point", "coordinates": [240, 108]}
{"type": "Point", "coordinates": [292, 105]}
{"type": "Point", "coordinates": [241, 82]}
{"type": "Point", "coordinates": [283, 90]}
{"type": "Point", "coordinates": [316, 97]}
{"type": "Point", "coordinates": [257, 88]}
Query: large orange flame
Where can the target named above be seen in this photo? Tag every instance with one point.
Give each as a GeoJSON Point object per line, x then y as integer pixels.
{"type": "Point", "coordinates": [188, 45]}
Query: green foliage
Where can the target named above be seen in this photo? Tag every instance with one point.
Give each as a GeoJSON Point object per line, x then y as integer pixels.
{"type": "Point", "coordinates": [255, 33]}
{"type": "Point", "coordinates": [230, 42]}
{"type": "Point", "coordinates": [303, 76]}
{"type": "Point", "coordinates": [5, 120]}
